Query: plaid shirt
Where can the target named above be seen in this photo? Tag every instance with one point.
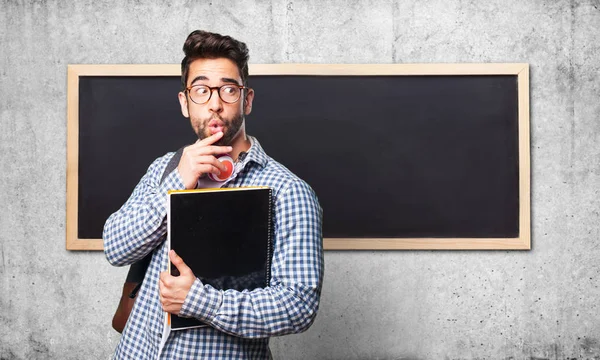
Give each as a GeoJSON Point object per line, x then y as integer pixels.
{"type": "Point", "coordinates": [240, 322]}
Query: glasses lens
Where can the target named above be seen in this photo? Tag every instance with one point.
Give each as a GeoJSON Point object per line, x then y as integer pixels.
{"type": "Point", "coordinates": [229, 93]}
{"type": "Point", "coordinates": [200, 94]}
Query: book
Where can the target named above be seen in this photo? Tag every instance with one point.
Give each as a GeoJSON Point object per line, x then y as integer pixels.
{"type": "Point", "coordinates": [224, 236]}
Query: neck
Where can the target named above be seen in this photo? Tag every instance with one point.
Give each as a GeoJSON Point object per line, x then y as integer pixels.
{"type": "Point", "coordinates": [240, 143]}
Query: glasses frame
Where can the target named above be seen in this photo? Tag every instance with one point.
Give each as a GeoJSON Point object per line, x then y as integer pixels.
{"type": "Point", "coordinates": [218, 88]}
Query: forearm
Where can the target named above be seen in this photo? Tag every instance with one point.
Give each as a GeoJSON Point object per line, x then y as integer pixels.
{"type": "Point", "coordinates": [135, 229]}
{"type": "Point", "coordinates": [272, 311]}
{"type": "Point", "coordinates": [290, 303]}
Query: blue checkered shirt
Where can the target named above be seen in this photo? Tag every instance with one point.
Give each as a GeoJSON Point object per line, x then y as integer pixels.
{"type": "Point", "coordinates": [240, 322]}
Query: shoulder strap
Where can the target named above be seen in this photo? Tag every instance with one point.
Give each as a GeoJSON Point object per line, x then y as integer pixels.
{"type": "Point", "coordinates": [173, 163]}
{"type": "Point", "coordinates": [137, 271]}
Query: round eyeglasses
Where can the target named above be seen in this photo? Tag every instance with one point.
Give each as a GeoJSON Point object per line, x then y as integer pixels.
{"type": "Point", "coordinates": [201, 94]}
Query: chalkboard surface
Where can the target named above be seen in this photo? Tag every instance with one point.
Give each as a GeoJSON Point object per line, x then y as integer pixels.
{"type": "Point", "coordinates": [390, 157]}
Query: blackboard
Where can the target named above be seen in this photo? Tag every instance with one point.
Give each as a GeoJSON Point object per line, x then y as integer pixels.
{"type": "Point", "coordinates": [433, 158]}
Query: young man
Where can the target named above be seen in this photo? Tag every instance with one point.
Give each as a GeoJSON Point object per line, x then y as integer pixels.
{"type": "Point", "coordinates": [216, 99]}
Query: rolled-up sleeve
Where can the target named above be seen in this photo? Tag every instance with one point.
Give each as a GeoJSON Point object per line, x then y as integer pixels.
{"type": "Point", "coordinates": [290, 303]}
{"type": "Point", "coordinates": [140, 224]}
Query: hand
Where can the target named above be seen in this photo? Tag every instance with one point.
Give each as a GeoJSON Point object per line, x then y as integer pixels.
{"type": "Point", "coordinates": [199, 158]}
{"type": "Point", "coordinates": [174, 289]}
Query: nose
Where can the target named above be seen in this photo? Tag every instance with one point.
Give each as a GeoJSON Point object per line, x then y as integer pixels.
{"type": "Point", "coordinates": [215, 104]}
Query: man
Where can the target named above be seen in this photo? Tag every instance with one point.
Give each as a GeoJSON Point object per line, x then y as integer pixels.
{"type": "Point", "coordinates": [216, 99]}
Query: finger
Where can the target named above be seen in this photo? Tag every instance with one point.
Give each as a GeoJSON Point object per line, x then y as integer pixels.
{"type": "Point", "coordinates": [211, 160]}
{"type": "Point", "coordinates": [165, 297]}
{"type": "Point", "coordinates": [207, 165]}
{"type": "Point", "coordinates": [205, 169]}
{"type": "Point", "coordinates": [195, 150]}
{"type": "Point", "coordinates": [195, 159]}
{"type": "Point", "coordinates": [199, 168]}
{"type": "Point", "coordinates": [179, 264]}
{"type": "Point", "coordinates": [163, 275]}
{"type": "Point", "coordinates": [166, 281]}
{"type": "Point", "coordinates": [210, 140]}
{"type": "Point", "coordinates": [211, 150]}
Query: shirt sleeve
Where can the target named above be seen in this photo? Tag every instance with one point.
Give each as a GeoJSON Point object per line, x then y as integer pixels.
{"type": "Point", "coordinates": [290, 303]}
{"type": "Point", "coordinates": [140, 224]}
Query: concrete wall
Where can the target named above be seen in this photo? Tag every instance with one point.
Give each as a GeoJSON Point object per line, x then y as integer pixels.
{"type": "Point", "coordinates": [543, 303]}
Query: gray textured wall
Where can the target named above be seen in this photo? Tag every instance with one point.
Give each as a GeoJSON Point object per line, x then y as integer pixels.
{"type": "Point", "coordinates": [543, 303]}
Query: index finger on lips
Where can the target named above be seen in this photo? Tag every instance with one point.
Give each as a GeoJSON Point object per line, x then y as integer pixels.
{"type": "Point", "coordinates": [210, 140]}
{"type": "Point", "coordinates": [207, 148]}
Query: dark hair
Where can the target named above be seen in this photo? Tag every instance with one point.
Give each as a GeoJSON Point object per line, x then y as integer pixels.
{"type": "Point", "coordinates": [206, 45]}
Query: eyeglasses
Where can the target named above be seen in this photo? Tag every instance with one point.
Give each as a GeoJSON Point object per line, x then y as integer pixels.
{"type": "Point", "coordinates": [201, 94]}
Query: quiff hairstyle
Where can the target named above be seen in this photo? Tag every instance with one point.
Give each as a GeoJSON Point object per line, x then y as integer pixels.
{"type": "Point", "coordinates": [206, 45]}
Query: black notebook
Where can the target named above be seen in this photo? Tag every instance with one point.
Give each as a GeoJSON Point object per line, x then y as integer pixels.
{"type": "Point", "coordinates": [224, 236]}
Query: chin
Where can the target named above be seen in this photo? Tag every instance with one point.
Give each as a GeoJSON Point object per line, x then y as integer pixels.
{"type": "Point", "coordinates": [226, 140]}
{"type": "Point", "coordinates": [222, 142]}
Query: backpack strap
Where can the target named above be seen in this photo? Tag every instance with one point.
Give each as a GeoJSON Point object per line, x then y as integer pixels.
{"type": "Point", "coordinates": [137, 270]}
{"type": "Point", "coordinates": [173, 163]}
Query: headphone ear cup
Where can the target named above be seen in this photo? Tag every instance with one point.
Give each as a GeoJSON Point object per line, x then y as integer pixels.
{"type": "Point", "coordinates": [228, 162]}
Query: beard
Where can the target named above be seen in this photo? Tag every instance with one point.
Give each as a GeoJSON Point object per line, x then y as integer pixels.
{"type": "Point", "coordinates": [231, 128]}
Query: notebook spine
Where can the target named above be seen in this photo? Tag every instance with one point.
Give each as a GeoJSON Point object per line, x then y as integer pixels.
{"type": "Point", "coordinates": [269, 240]}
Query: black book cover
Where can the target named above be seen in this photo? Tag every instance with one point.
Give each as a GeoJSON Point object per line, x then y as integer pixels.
{"type": "Point", "coordinates": [224, 236]}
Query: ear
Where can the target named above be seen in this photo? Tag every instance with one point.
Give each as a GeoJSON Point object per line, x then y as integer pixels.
{"type": "Point", "coordinates": [184, 104]}
{"type": "Point", "coordinates": [248, 101]}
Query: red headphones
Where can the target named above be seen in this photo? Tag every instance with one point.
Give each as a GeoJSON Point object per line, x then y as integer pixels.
{"type": "Point", "coordinates": [228, 162]}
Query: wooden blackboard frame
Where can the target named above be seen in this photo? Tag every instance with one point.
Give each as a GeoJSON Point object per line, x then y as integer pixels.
{"type": "Point", "coordinates": [522, 242]}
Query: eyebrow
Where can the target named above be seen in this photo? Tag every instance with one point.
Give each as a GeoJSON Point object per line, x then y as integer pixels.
{"type": "Point", "coordinates": [225, 80]}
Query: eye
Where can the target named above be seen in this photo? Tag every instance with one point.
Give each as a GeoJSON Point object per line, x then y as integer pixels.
{"type": "Point", "coordinates": [200, 90]}
{"type": "Point", "coordinates": [229, 90]}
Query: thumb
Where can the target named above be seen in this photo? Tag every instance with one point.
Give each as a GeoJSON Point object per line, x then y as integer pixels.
{"type": "Point", "coordinates": [179, 264]}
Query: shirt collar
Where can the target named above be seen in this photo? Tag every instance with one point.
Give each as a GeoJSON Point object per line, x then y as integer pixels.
{"type": "Point", "coordinates": [256, 153]}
